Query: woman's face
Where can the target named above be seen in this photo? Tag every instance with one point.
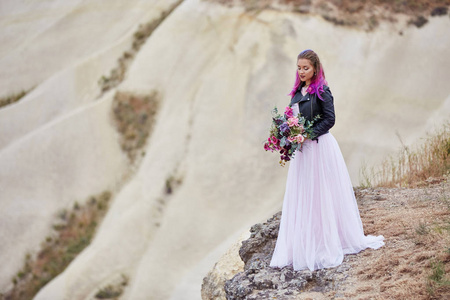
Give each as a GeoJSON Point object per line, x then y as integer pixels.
{"type": "Point", "coordinates": [305, 70]}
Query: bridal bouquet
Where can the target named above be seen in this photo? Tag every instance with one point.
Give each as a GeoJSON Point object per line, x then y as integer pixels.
{"type": "Point", "coordinates": [288, 133]}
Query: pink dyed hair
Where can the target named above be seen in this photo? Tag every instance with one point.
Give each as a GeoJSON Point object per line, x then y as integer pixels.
{"type": "Point", "coordinates": [318, 79]}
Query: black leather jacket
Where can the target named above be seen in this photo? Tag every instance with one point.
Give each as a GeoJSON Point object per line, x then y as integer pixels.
{"type": "Point", "coordinates": [310, 106]}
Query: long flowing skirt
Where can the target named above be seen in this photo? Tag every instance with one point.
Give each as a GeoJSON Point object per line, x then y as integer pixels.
{"type": "Point", "coordinates": [320, 221]}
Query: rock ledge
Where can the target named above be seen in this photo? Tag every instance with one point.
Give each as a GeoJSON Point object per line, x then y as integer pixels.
{"type": "Point", "coordinates": [260, 281]}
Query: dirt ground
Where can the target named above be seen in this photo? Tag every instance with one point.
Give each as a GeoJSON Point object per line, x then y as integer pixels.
{"type": "Point", "coordinates": [414, 263]}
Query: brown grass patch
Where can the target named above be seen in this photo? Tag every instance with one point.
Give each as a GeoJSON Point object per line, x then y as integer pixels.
{"type": "Point", "coordinates": [134, 116]}
{"type": "Point", "coordinates": [420, 166]}
{"type": "Point", "coordinates": [73, 232]}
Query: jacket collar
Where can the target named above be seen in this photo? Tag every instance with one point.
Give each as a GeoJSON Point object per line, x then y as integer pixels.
{"type": "Point", "coordinates": [298, 97]}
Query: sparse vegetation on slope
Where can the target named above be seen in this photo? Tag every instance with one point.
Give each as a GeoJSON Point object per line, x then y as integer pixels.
{"type": "Point", "coordinates": [134, 117]}
{"type": "Point", "coordinates": [12, 98]}
{"type": "Point", "coordinates": [113, 291]}
{"type": "Point", "coordinates": [74, 231]}
{"type": "Point", "coordinates": [410, 7]}
{"type": "Point", "coordinates": [415, 166]}
{"type": "Point", "coordinates": [365, 14]}
{"type": "Point", "coordinates": [414, 264]}
{"type": "Point", "coordinates": [117, 75]}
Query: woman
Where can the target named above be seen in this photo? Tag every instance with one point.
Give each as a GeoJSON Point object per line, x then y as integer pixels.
{"type": "Point", "coordinates": [320, 221]}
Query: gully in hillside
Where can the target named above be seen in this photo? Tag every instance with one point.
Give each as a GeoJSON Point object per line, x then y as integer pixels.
{"type": "Point", "coordinates": [320, 220]}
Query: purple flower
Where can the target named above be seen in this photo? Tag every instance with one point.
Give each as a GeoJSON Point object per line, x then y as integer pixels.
{"type": "Point", "coordinates": [284, 127]}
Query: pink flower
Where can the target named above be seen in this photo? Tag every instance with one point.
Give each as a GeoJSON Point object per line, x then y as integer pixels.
{"type": "Point", "coordinates": [266, 147]}
{"type": "Point", "coordinates": [300, 138]}
{"type": "Point", "coordinates": [274, 140]}
{"type": "Point", "coordinates": [289, 112]}
{"type": "Point", "coordinates": [293, 121]}
{"type": "Point", "coordinates": [291, 139]}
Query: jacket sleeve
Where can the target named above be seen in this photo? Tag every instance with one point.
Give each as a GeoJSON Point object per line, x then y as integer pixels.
{"type": "Point", "coordinates": [327, 118]}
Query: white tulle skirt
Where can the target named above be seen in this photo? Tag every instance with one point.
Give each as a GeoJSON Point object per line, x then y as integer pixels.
{"type": "Point", "coordinates": [320, 221]}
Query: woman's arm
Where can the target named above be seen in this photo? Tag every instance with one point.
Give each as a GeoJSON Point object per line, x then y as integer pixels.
{"type": "Point", "coordinates": [327, 117]}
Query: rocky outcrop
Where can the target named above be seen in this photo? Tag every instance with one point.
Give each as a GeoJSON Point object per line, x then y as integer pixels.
{"type": "Point", "coordinates": [260, 281]}
{"type": "Point", "coordinates": [228, 265]}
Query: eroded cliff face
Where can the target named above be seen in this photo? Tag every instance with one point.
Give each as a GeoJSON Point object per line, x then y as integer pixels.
{"type": "Point", "coordinates": [219, 71]}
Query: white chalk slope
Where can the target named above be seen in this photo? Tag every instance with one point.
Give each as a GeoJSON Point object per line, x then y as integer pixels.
{"type": "Point", "coordinates": [57, 144]}
{"type": "Point", "coordinates": [220, 71]}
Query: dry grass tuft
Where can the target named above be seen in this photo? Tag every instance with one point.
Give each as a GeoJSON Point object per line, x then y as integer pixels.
{"type": "Point", "coordinates": [420, 166]}
{"type": "Point", "coordinates": [73, 232]}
